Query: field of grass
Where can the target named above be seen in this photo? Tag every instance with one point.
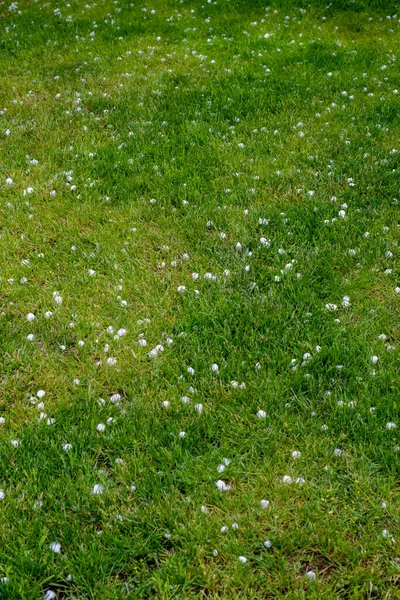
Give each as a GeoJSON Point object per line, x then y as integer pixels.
{"type": "Point", "coordinates": [199, 306]}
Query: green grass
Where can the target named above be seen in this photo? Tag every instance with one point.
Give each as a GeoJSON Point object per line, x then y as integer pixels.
{"type": "Point", "coordinates": [238, 138]}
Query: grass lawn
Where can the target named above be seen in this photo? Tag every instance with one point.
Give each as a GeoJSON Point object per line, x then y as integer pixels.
{"type": "Point", "coordinates": [200, 294]}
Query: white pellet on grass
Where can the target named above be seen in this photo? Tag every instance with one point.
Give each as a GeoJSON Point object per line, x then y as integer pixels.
{"type": "Point", "coordinates": [97, 489]}
{"type": "Point", "coordinates": [264, 503]}
{"type": "Point", "coordinates": [56, 547]}
{"type": "Point", "coordinates": [261, 414]}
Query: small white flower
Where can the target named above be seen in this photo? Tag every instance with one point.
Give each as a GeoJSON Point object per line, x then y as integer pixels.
{"type": "Point", "coordinates": [311, 575]}
{"type": "Point", "coordinates": [346, 302]}
{"type": "Point", "coordinates": [56, 547]}
{"type": "Point", "coordinates": [222, 486]}
{"type": "Point", "coordinates": [97, 489]}
{"type": "Point", "coordinates": [331, 307]}
{"type": "Point", "coordinates": [264, 503]}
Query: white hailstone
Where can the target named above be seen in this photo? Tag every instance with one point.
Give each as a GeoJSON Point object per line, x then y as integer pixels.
{"type": "Point", "coordinates": [100, 427]}
{"type": "Point", "coordinates": [296, 454]}
{"type": "Point", "coordinates": [261, 414]}
{"type": "Point", "coordinates": [221, 468]}
{"type": "Point", "coordinates": [391, 425]}
{"type": "Point", "coordinates": [234, 384]}
{"type": "Point", "coordinates": [30, 317]}
{"type": "Point", "coordinates": [331, 307]}
{"type": "Point", "coordinates": [166, 404]}
{"type": "Point", "coordinates": [383, 504]}
{"type": "Point", "coordinates": [81, 343]}
{"type": "Point", "coordinates": [38, 504]}
{"type": "Point", "coordinates": [226, 461]}
{"type": "Point", "coordinates": [181, 288]}
{"type": "Point", "coordinates": [374, 360]}
{"type": "Point", "coordinates": [2, 420]}
{"type": "Point", "coordinates": [199, 408]}
{"type": "Point", "coordinates": [142, 342]}
{"type": "Point", "coordinates": [215, 553]}
{"type": "Point", "coordinates": [235, 526]}
{"type": "Point", "coordinates": [382, 337]}
{"type": "Point", "coordinates": [195, 276]}
{"type": "Point", "coordinates": [299, 480]}
{"type": "Point", "coordinates": [41, 394]}
{"type": "Point", "coordinates": [30, 337]}
{"type": "Point", "coordinates": [67, 447]}
{"type": "Point", "coordinates": [222, 486]}
{"type": "Point", "coordinates": [224, 529]}
{"type": "Point", "coordinates": [111, 361]}
{"type": "Point", "coordinates": [243, 559]}
{"type": "Point", "coordinates": [311, 575]}
{"type": "Point", "coordinates": [267, 35]}
{"type": "Point", "coordinates": [397, 290]}
{"type": "Point", "coordinates": [91, 272]}
{"type": "Point", "coordinates": [190, 370]}
{"type": "Point", "coordinates": [389, 254]}
{"type": "Point", "coordinates": [57, 298]}
{"type": "Point", "coordinates": [267, 544]}
{"type": "Point", "coordinates": [287, 479]}
{"type": "Point", "coordinates": [48, 314]}
{"type": "Point", "coordinates": [49, 595]}
{"type": "Point", "coordinates": [337, 452]}
{"type": "Point", "coordinates": [264, 503]}
{"type": "Point", "coordinates": [238, 246]}
{"type": "Point", "coordinates": [227, 273]}
{"type": "Point", "coordinates": [9, 181]}
{"type": "Point", "coordinates": [77, 381]}
{"type": "Point", "coordinates": [53, 193]}
{"type": "Point", "coordinates": [55, 546]}
{"type": "Point", "coordinates": [342, 214]}
{"type": "Point", "coordinates": [346, 302]}
{"type": "Point", "coordinates": [15, 443]}
{"type": "Point", "coordinates": [7, 132]}
{"type": "Point", "coordinates": [97, 489]}
{"type": "Point", "coordinates": [2, 495]}
{"type": "Point", "coordinates": [133, 488]}
{"type": "Point", "coordinates": [323, 427]}
{"type": "Point", "coordinates": [121, 332]}
{"type": "Point", "coordinates": [153, 201]}
{"type": "Point", "coordinates": [204, 509]}
{"type": "Point", "coordinates": [185, 399]}
{"type": "Point", "coordinates": [214, 368]}
{"type": "Point", "coordinates": [277, 278]}
{"type": "Point", "coordinates": [182, 434]}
